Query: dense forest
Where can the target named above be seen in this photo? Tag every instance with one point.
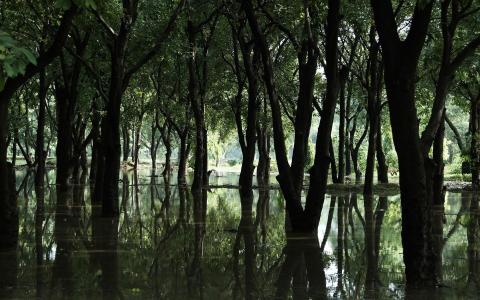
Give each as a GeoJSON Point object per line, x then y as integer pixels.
{"type": "Point", "coordinates": [305, 97]}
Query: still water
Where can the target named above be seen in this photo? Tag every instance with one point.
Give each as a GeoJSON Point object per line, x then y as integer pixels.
{"type": "Point", "coordinates": [168, 245]}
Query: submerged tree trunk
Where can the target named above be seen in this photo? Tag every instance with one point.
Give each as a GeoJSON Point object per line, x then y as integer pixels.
{"type": "Point", "coordinates": [319, 171]}
{"type": "Point", "coordinates": [401, 59]}
{"type": "Point", "coordinates": [198, 109]}
{"type": "Point", "coordinates": [251, 60]}
{"type": "Point", "coordinates": [291, 177]}
{"type": "Point", "coordinates": [437, 203]}
{"type": "Point", "coordinates": [10, 87]}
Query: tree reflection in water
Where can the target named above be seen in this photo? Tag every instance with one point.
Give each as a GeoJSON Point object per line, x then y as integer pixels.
{"type": "Point", "coordinates": [170, 243]}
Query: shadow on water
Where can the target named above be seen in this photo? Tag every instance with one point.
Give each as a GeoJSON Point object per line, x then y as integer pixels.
{"type": "Point", "coordinates": [170, 243]}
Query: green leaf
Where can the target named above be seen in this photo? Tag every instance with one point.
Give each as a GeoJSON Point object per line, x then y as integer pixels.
{"type": "Point", "coordinates": [90, 4]}
{"type": "Point", "coordinates": [9, 69]}
{"type": "Point", "coordinates": [29, 55]}
{"type": "Point", "coordinates": [64, 4]}
{"type": "Point", "coordinates": [6, 40]}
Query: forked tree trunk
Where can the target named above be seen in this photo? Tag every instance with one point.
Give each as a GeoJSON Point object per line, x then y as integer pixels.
{"type": "Point", "coordinates": [401, 59]}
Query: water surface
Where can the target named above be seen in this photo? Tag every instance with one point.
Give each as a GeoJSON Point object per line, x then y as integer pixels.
{"type": "Point", "coordinates": [166, 244]}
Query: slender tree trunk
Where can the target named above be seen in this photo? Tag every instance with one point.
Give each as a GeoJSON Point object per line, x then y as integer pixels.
{"type": "Point", "coordinates": [95, 144]}
{"type": "Point", "coordinates": [126, 142]}
{"type": "Point", "coordinates": [382, 167]}
{"type": "Point", "coordinates": [250, 139]}
{"type": "Point", "coordinates": [138, 132]}
{"type": "Point", "coordinates": [348, 155]}
{"type": "Point", "coordinates": [437, 203]}
{"type": "Point", "coordinates": [341, 128]}
{"type": "Point", "coordinates": [168, 154]}
{"type": "Point", "coordinates": [182, 160]}
{"type": "Point", "coordinates": [333, 163]}
{"type": "Point", "coordinates": [319, 171]}
{"type": "Point", "coordinates": [40, 142]}
{"type": "Point", "coordinates": [10, 87]}
{"type": "Point", "coordinates": [475, 143]}
{"type": "Point", "coordinates": [372, 113]}
{"type": "Point", "coordinates": [14, 148]}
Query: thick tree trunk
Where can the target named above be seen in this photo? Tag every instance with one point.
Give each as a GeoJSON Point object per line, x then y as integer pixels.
{"type": "Point", "coordinates": [4, 173]}
{"type": "Point", "coordinates": [401, 60]}
{"type": "Point", "coordinates": [437, 203]}
{"type": "Point", "coordinates": [198, 111]}
{"type": "Point", "coordinates": [64, 148]}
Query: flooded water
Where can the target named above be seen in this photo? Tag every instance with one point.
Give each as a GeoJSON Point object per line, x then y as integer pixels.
{"type": "Point", "coordinates": [167, 244]}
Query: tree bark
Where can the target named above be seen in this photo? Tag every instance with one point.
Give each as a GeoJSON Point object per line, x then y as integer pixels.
{"type": "Point", "coordinates": [319, 171]}
{"type": "Point", "coordinates": [126, 142]}
{"type": "Point", "coordinates": [250, 138]}
{"type": "Point", "coordinates": [401, 59]}
{"type": "Point", "coordinates": [372, 99]}
{"type": "Point", "coordinates": [11, 86]}
{"type": "Point", "coordinates": [341, 128]}
{"type": "Point", "coordinates": [40, 141]}
{"type": "Point", "coordinates": [382, 167]}
{"type": "Point", "coordinates": [182, 160]}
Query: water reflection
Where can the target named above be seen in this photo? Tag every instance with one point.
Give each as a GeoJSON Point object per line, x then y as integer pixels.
{"type": "Point", "coordinates": [170, 243]}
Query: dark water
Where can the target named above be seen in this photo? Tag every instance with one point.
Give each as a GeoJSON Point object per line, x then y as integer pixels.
{"type": "Point", "coordinates": [168, 244]}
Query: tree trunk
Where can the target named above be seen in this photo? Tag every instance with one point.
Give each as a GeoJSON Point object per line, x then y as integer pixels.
{"type": "Point", "coordinates": [64, 148]}
{"type": "Point", "coordinates": [474, 129]}
{"type": "Point", "coordinates": [126, 142]}
{"type": "Point", "coordinates": [40, 141]}
{"type": "Point", "coordinates": [198, 111]}
{"type": "Point", "coordinates": [319, 171]}
{"type": "Point", "coordinates": [372, 99]}
{"type": "Point", "coordinates": [138, 132]}
{"type": "Point", "coordinates": [382, 167]}
{"type": "Point", "coordinates": [166, 137]}
{"type": "Point", "coordinates": [95, 144]}
{"type": "Point", "coordinates": [348, 155]}
{"type": "Point", "coordinates": [437, 203]}
{"type": "Point", "coordinates": [333, 163]}
{"type": "Point", "coordinates": [249, 140]}
{"type": "Point", "coordinates": [341, 128]}
{"type": "Point", "coordinates": [182, 160]}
